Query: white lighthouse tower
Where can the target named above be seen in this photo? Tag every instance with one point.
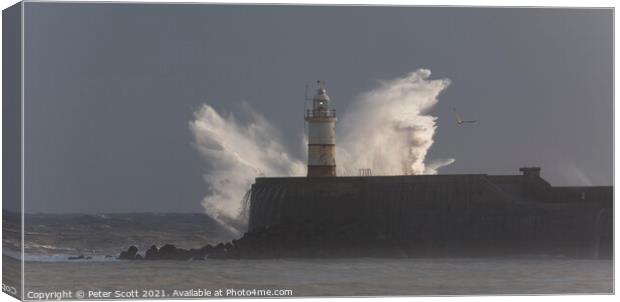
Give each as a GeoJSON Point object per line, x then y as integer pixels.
{"type": "Point", "coordinates": [321, 135]}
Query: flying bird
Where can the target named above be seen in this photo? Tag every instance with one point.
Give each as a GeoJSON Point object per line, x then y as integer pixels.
{"type": "Point", "coordinates": [459, 120]}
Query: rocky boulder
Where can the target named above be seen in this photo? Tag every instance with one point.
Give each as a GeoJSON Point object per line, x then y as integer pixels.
{"type": "Point", "coordinates": [152, 253]}
{"type": "Point", "coordinates": [129, 254]}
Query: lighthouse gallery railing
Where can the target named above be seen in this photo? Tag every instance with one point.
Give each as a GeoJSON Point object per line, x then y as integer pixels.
{"type": "Point", "coordinates": [320, 113]}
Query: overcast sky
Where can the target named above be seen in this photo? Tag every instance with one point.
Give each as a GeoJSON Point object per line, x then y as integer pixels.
{"type": "Point", "coordinates": [110, 89]}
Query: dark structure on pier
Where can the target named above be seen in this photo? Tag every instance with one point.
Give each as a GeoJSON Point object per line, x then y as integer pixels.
{"type": "Point", "coordinates": [437, 215]}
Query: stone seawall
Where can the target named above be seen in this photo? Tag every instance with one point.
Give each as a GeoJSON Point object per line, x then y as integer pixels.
{"type": "Point", "coordinates": [434, 215]}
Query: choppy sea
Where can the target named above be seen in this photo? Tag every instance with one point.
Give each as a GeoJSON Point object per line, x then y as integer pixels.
{"type": "Point", "coordinates": [51, 239]}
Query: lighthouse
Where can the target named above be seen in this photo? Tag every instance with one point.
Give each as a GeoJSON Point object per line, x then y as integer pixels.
{"type": "Point", "coordinates": [321, 121]}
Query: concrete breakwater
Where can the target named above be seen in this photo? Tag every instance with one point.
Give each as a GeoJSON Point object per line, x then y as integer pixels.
{"type": "Point", "coordinates": [446, 215]}
{"type": "Point", "coordinates": [473, 215]}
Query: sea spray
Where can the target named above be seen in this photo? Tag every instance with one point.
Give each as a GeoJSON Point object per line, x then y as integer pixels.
{"type": "Point", "coordinates": [236, 152]}
{"type": "Point", "coordinates": [386, 129]}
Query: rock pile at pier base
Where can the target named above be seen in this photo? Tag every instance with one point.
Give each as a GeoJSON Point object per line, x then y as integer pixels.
{"type": "Point", "coordinates": [283, 241]}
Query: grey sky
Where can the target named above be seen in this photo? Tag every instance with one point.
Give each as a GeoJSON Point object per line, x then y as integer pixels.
{"type": "Point", "coordinates": [110, 89]}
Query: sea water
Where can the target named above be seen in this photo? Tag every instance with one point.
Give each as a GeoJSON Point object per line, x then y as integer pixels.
{"type": "Point", "coordinates": [51, 239]}
{"type": "Point", "coordinates": [332, 277]}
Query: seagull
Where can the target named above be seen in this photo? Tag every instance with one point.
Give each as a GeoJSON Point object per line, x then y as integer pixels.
{"type": "Point", "coordinates": [459, 120]}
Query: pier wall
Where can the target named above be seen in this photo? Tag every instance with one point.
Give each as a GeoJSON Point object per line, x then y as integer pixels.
{"type": "Point", "coordinates": [442, 215]}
